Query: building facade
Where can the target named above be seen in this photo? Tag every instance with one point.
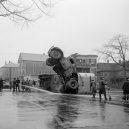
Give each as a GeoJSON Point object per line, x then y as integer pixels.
{"type": "Point", "coordinates": [86, 63]}
{"type": "Point", "coordinates": [33, 65]}
{"type": "Point", "coordinates": [113, 73]}
{"type": "Point", "coordinates": [9, 71]}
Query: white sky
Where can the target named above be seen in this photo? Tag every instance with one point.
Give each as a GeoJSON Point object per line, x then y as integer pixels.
{"type": "Point", "coordinates": [77, 26]}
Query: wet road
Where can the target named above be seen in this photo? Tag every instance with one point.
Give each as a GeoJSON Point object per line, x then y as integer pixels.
{"type": "Point", "coordinates": [42, 110]}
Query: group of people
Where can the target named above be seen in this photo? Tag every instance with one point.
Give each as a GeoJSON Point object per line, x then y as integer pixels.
{"type": "Point", "coordinates": [18, 84]}
{"type": "Point", "coordinates": [101, 87]}
{"type": "Point", "coordinates": [28, 83]}
{"type": "Point", "coordinates": [15, 84]}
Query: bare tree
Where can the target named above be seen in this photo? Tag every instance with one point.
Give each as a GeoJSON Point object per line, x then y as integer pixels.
{"type": "Point", "coordinates": [116, 50]}
{"type": "Point", "coordinates": [24, 10]}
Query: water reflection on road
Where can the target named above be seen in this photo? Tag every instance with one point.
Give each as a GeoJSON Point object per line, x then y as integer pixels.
{"type": "Point", "coordinates": [38, 110]}
{"type": "Point", "coordinates": [67, 111]}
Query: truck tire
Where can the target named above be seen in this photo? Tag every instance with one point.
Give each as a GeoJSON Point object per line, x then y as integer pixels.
{"type": "Point", "coordinates": [50, 62]}
{"type": "Point", "coordinates": [72, 84]}
{"type": "Point", "coordinates": [55, 53]}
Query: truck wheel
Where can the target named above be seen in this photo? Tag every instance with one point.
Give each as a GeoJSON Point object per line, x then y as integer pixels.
{"type": "Point", "coordinates": [55, 53]}
{"type": "Point", "coordinates": [72, 84]}
{"type": "Point", "coordinates": [50, 62]}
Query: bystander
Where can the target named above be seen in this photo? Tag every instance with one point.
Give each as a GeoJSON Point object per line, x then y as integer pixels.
{"type": "Point", "coordinates": [102, 88]}
{"type": "Point", "coordinates": [1, 84]}
{"type": "Point", "coordinates": [93, 88]}
{"type": "Point", "coordinates": [126, 90]}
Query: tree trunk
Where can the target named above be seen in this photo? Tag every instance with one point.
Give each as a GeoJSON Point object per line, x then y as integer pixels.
{"type": "Point", "coordinates": [124, 70]}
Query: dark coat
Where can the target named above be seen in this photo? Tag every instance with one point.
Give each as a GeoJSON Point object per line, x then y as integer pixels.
{"type": "Point", "coordinates": [1, 82]}
{"type": "Point", "coordinates": [126, 87]}
{"type": "Point", "coordinates": [102, 88]}
{"type": "Point", "coordinates": [17, 81]}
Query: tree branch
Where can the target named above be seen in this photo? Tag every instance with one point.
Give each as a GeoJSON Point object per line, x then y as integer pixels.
{"type": "Point", "coordinates": [16, 10]}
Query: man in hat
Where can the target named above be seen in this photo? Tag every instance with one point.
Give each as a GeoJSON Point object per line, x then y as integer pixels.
{"type": "Point", "coordinates": [102, 88]}
{"type": "Point", "coordinates": [14, 84]}
{"type": "Point", "coordinates": [1, 84]}
{"type": "Point", "coordinates": [126, 89]}
{"type": "Point", "coordinates": [17, 84]}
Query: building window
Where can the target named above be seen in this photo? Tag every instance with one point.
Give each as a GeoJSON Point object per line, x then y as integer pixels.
{"type": "Point", "coordinates": [93, 61]}
{"type": "Point", "coordinates": [89, 61]}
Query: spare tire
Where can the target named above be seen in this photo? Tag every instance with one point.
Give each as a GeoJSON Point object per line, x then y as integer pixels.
{"type": "Point", "coordinates": [50, 62]}
{"type": "Point", "coordinates": [72, 84]}
{"type": "Point", "coordinates": [55, 53]}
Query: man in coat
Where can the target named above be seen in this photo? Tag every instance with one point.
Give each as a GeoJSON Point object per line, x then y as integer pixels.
{"type": "Point", "coordinates": [102, 88]}
{"type": "Point", "coordinates": [1, 84]}
{"type": "Point", "coordinates": [126, 89]}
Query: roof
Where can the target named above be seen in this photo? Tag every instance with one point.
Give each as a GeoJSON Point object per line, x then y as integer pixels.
{"type": "Point", "coordinates": [33, 57]}
{"type": "Point", "coordinates": [10, 64]}
{"type": "Point", "coordinates": [108, 67]}
{"type": "Point", "coordinates": [79, 55]}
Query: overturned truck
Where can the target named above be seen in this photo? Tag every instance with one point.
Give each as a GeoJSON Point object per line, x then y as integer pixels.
{"type": "Point", "coordinates": [65, 68]}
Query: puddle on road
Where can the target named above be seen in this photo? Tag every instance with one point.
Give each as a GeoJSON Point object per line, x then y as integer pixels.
{"type": "Point", "coordinates": [44, 111]}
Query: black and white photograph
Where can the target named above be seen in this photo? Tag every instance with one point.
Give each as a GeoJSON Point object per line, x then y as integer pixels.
{"type": "Point", "coordinates": [64, 64]}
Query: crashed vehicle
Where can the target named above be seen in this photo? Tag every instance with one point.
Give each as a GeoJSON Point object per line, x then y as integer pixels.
{"type": "Point", "coordinates": [65, 68]}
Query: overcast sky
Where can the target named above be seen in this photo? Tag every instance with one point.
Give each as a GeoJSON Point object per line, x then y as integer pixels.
{"type": "Point", "coordinates": [76, 26]}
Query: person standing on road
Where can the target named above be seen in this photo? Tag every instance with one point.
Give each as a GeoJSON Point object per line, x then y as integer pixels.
{"type": "Point", "coordinates": [93, 88]}
{"type": "Point", "coordinates": [1, 84]}
{"type": "Point", "coordinates": [14, 84]}
{"type": "Point", "coordinates": [126, 89]}
{"type": "Point", "coordinates": [27, 82]}
{"type": "Point", "coordinates": [23, 85]}
{"type": "Point", "coordinates": [34, 83]}
{"type": "Point", "coordinates": [10, 85]}
{"type": "Point", "coordinates": [102, 88]}
{"type": "Point", "coordinates": [17, 85]}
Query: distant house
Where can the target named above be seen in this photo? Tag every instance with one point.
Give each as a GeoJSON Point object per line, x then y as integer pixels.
{"type": "Point", "coordinates": [33, 64]}
{"type": "Point", "coordinates": [86, 63]}
{"type": "Point", "coordinates": [9, 71]}
{"type": "Point", "coordinates": [112, 72]}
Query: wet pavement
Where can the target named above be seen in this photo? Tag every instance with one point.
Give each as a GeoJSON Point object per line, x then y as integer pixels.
{"type": "Point", "coordinates": [44, 110]}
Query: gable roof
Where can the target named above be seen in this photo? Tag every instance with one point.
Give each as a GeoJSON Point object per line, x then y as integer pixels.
{"type": "Point", "coordinates": [32, 57]}
{"type": "Point", "coordinates": [79, 55]}
{"type": "Point", "coordinates": [108, 67]}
